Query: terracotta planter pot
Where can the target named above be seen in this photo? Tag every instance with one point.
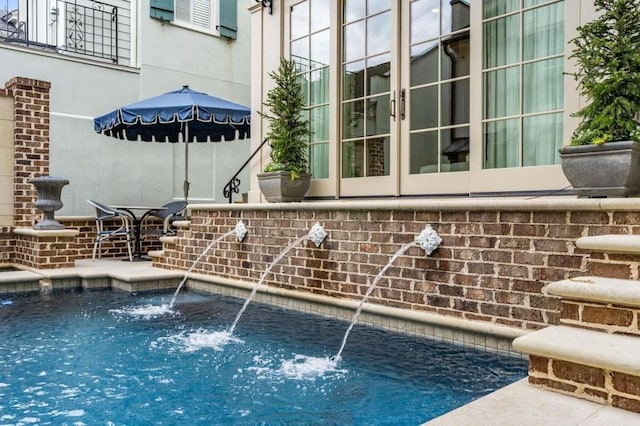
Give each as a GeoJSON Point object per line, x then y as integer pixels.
{"type": "Point", "coordinates": [278, 187]}
{"type": "Point", "coordinates": [608, 170]}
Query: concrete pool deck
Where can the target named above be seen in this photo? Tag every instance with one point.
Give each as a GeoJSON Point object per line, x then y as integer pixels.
{"type": "Point", "coordinates": [521, 404]}
{"type": "Point", "coordinates": [516, 404]}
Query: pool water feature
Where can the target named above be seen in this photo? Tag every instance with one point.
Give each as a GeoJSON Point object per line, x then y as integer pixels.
{"type": "Point", "coordinates": [316, 234]}
{"type": "Point", "coordinates": [428, 240]}
{"type": "Point", "coordinates": [76, 358]}
{"type": "Point", "coordinates": [240, 232]}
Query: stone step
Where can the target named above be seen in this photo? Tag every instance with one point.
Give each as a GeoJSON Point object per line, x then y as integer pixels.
{"type": "Point", "coordinates": [155, 253]}
{"type": "Point", "coordinates": [613, 352]}
{"type": "Point", "coordinates": [169, 239]}
{"type": "Point", "coordinates": [598, 289]}
{"type": "Point", "coordinates": [611, 243]}
{"type": "Point", "coordinates": [610, 305]}
{"type": "Point", "coordinates": [586, 364]}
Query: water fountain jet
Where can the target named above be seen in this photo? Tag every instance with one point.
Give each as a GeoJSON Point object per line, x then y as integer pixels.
{"type": "Point", "coordinates": [240, 231]}
{"type": "Point", "coordinates": [428, 240]}
{"type": "Point", "coordinates": [317, 234]}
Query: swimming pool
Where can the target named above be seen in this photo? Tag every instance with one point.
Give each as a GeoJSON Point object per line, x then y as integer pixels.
{"type": "Point", "coordinates": [92, 358]}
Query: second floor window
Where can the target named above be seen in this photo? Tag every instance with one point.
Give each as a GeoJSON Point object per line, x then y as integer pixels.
{"type": "Point", "coordinates": [196, 14]}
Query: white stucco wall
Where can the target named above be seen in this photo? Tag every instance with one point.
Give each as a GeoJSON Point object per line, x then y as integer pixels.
{"type": "Point", "coordinates": [123, 172]}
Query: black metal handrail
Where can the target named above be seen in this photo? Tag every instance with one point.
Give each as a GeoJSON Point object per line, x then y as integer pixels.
{"type": "Point", "coordinates": [233, 186]}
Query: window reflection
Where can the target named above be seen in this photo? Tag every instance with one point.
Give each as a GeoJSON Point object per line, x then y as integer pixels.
{"type": "Point", "coordinates": [299, 20]}
{"type": "Point", "coordinates": [353, 80]}
{"type": "Point", "coordinates": [354, 10]}
{"type": "Point", "coordinates": [319, 51]}
{"type": "Point", "coordinates": [455, 16]}
{"type": "Point", "coordinates": [439, 98]}
{"type": "Point", "coordinates": [353, 119]}
{"type": "Point", "coordinates": [300, 54]}
{"type": "Point", "coordinates": [423, 152]}
{"type": "Point", "coordinates": [454, 103]}
{"type": "Point", "coordinates": [378, 156]}
{"type": "Point", "coordinates": [378, 119]}
{"type": "Point", "coordinates": [354, 44]}
{"type": "Point", "coordinates": [424, 107]}
{"type": "Point", "coordinates": [455, 150]}
{"type": "Point", "coordinates": [320, 13]}
{"type": "Point", "coordinates": [379, 34]}
{"type": "Point", "coordinates": [424, 63]}
{"type": "Point", "coordinates": [378, 70]}
{"type": "Point", "coordinates": [310, 50]}
{"type": "Point", "coordinates": [455, 56]}
{"type": "Point", "coordinates": [376, 6]}
{"type": "Point", "coordinates": [425, 20]}
{"type": "Point", "coordinates": [366, 72]}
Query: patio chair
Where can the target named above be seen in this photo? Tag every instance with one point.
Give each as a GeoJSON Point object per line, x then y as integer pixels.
{"type": "Point", "coordinates": [110, 223]}
{"type": "Point", "coordinates": [172, 211]}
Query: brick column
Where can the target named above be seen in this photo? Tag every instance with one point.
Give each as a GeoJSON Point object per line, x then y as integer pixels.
{"type": "Point", "coordinates": [31, 142]}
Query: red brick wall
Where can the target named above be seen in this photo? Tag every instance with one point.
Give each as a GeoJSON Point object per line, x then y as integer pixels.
{"type": "Point", "coordinates": [46, 253]}
{"type": "Point", "coordinates": [31, 142]}
{"type": "Point", "coordinates": [7, 244]}
{"type": "Point", "coordinates": [606, 317]}
{"type": "Point", "coordinates": [491, 265]}
{"type": "Point", "coordinates": [595, 384]}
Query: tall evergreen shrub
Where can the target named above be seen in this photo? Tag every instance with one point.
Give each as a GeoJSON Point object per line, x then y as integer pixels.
{"type": "Point", "coordinates": [288, 130]}
{"type": "Point", "coordinates": [607, 52]}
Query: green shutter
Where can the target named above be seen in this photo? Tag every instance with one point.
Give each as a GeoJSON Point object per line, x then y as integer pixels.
{"type": "Point", "coordinates": [229, 18]}
{"type": "Point", "coordinates": [162, 9]}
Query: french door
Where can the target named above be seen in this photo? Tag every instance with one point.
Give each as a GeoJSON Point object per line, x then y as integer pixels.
{"type": "Point", "coordinates": [404, 103]}
{"type": "Point", "coordinates": [368, 100]}
{"type": "Point", "coordinates": [403, 100]}
{"type": "Point", "coordinates": [435, 89]}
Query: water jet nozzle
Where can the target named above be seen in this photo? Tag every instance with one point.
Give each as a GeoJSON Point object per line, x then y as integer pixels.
{"type": "Point", "coordinates": [240, 231]}
{"type": "Point", "coordinates": [317, 234]}
{"type": "Point", "coordinates": [428, 239]}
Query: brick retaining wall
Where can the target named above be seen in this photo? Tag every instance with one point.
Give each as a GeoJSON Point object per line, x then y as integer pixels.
{"type": "Point", "coordinates": [594, 384]}
{"type": "Point", "coordinates": [491, 265]}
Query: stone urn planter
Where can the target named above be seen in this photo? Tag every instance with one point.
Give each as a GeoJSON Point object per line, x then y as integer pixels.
{"type": "Point", "coordinates": [49, 189]}
{"type": "Point", "coordinates": [611, 169]}
{"type": "Point", "coordinates": [278, 187]}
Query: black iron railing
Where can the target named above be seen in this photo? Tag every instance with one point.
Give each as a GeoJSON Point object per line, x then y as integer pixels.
{"type": "Point", "coordinates": [79, 28]}
{"type": "Point", "coordinates": [233, 186]}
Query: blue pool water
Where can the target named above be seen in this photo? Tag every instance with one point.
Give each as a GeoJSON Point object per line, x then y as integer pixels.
{"type": "Point", "coordinates": [91, 358]}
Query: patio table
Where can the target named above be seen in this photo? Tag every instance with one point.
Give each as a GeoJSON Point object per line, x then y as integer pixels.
{"type": "Point", "coordinates": [137, 225]}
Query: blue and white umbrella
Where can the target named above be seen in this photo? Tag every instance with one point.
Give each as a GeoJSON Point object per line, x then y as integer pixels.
{"type": "Point", "coordinates": [178, 116]}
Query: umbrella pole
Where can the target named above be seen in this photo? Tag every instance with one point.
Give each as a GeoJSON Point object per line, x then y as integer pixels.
{"type": "Point", "coordinates": [185, 185]}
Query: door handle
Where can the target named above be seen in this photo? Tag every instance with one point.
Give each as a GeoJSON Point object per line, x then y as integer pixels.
{"type": "Point", "coordinates": [392, 106]}
{"type": "Point", "coordinates": [402, 104]}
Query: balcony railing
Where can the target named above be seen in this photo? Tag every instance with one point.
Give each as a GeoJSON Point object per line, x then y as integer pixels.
{"type": "Point", "coordinates": [81, 28]}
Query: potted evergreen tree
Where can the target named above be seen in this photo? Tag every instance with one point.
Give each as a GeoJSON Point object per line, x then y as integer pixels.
{"type": "Point", "coordinates": [285, 177]}
{"type": "Point", "coordinates": [603, 157]}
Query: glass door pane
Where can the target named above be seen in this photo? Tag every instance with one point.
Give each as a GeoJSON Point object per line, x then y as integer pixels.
{"type": "Point", "coordinates": [309, 46]}
{"type": "Point", "coordinates": [367, 85]}
{"type": "Point", "coordinates": [438, 86]}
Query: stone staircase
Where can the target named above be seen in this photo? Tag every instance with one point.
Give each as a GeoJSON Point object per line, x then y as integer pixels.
{"type": "Point", "coordinates": [594, 351]}
{"type": "Point", "coordinates": [169, 241]}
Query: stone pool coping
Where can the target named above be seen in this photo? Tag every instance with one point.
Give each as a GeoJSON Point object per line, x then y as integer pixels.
{"type": "Point", "coordinates": [524, 405]}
